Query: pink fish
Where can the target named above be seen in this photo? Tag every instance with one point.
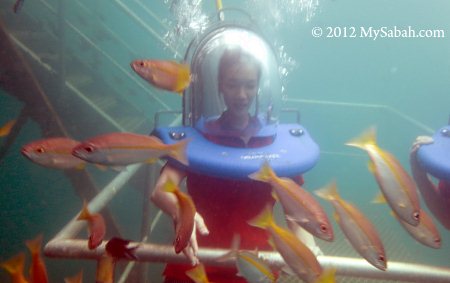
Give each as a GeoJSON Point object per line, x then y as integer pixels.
{"type": "Point", "coordinates": [167, 75]}
{"type": "Point", "coordinates": [298, 204]}
{"type": "Point", "coordinates": [396, 185]}
{"type": "Point", "coordinates": [185, 216]}
{"type": "Point", "coordinates": [296, 254]}
{"type": "Point", "coordinates": [121, 149]}
{"type": "Point", "coordinates": [425, 233]}
{"type": "Point", "coordinates": [96, 226]}
{"type": "Point", "coordinates": [53, 153]}
{"type": "Point", "coordinates": [357, 228]}
{"type": "Point", "coordinates": [14, 266]}
{"type": "Point", "coordinates": [38, 271]}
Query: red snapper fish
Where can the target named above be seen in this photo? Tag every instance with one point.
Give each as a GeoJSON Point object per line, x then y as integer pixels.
{"type": "Point", "coordinates": [38, 271]}
{"type": "Point", "coordinates": [96, 226]}
{"type": "Point", "coordinates": [185, 216]}
{"type": "Point", "coordinates": [298, 204]}
{"type": "Point", "coordinates": [360, 232]}
{"type": "Point", "coordinates": [121, 149]}
{"type": "Point", "coordinates": [167, 75]}
{"type": "Point", "coordinates": [296, 254]}
{"type": "Point", "coordinates": [14, 266]}
{"type": "Point", "coordinates": [54, 153]}
{"type": "Point", "coordinates": [396, 185]}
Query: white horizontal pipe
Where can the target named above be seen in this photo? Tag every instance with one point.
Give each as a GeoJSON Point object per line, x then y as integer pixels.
{"type": "Point", "coordinates": [354, 267]}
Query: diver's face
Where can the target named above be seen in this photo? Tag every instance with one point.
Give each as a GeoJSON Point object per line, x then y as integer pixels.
{"type": "Point", "coordinates": [239, 87]}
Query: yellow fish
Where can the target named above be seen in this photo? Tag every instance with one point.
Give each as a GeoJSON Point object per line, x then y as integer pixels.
{"type": "Point", "coordinates": [396, 185]}
{"type": "Point", "coordinates": [167, 75]}
{"type": "Point", "coordinates": [198, 274]}
{"type": "Point", "coordinates": [78, 278]}
{"type": "Point", "coordinates": [185, 217]}
{"type": "Point", "coordinates": [296, 254]}
{"type": "Point", "coordinates": [358, 229]}
{"type": "Point", "coordinates": [14, 266]}
{"type": "Point", "coordinates": [6, 128]}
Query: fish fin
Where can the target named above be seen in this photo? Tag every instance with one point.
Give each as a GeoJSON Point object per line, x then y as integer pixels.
{"type": "Point", "coordinates": [264, 174]}
{"type": "Point", "coordinates": [368, 137]}
{"type": "Point", "coordinates": [264, 219]}
{"type": "Point", "coordinates": [329, 192]}
{"type": "Point", "coordinates": [232, 254]}
{"type": "Point", "coordinates": [85, 214]}
{"type": "Point", "coordinates": [275, 196]}
{"type": "Point", "coordinates": [178, 151]}
{"type": "Point", "coordinates": [151, 160]}
{"type": "Point", "coordinates": [6, 128]}
{"type": "Point", "coordinates": [379, 199]}
{"type": "Point", "coordinates": [75, 279]}
{"type": "Point", "coordinates": [327, 276]}
{"type": "Point", "coordinates": [170, 186]}
{"type": "Point", "coordinates": [272, 243]}
{"type": "Point", "coordinates": [371, 166]}
{"type": "Point", "coordinates": [198, 273]}
{"type": "Point", "coordinates": [35, 244]}
{"type": "Point", "coordinates": [15, 264]}
{"type": "Point", "coordinates": [101, 167]}
{"type": "Point", "coordinates": [119, 168]}
{"type": "Point", "coordinates": [401, 205]}
{"type": "Point", "coordinates": [81, 166]}
{"type": "Point", "coordinates": [336, 217]}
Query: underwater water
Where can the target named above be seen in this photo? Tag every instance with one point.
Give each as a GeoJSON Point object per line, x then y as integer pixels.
{"type": "Point", "coordinates": [78, 82]}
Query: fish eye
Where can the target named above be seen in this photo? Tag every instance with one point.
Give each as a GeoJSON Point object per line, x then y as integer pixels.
{"type": "Point", "coordinates": [437, 240]}
{"type": "Point", "coordinates": [89, 149]}
{"type": "Point", "coordinates": [323, 228]}
{"type": "Point", "coordinates": [416, 215]}
{"type": "Point", "coordinates": [381, 258]}
{"type": "Point", "coordinates": [141, 63]}
{"type": "Point", "coordinates": [40, 150]}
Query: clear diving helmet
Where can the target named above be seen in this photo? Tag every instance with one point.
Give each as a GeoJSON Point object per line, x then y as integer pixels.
{"type": "Point", "coordinates": [235, 74]}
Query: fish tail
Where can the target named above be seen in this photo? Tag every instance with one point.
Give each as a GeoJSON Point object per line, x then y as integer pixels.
{"type": "Point", "coordinates": [85, 214]}
{"type": "Point", "coordinates": [232, 254]}
{"type": "Point", "coordinates": [170, 186]}
{"type": "Point", "coordinates": [15, 264]}
{"type": "Point", "coordinates": [368, 137]}
{"type": "Point", "coordinates": [35, 244]}
{"type": "Point", "coordinates": [183, 79]}
{"type": "Point", "coordinates": [198, 274]}
{"type": "Point", "coordinates": [265, 174]}
{"type": "Point", "coordinates": [264, 219]}
{"type": "Point", "coordinates": [329, 192]}
{"type": "Point", "coordinates": [327, 276]}
{"type": "Point", "coordinates": [178, 151]}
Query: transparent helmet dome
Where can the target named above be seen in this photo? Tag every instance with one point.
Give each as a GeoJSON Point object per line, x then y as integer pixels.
{"type": "Point", "coordinates": [236, 85]}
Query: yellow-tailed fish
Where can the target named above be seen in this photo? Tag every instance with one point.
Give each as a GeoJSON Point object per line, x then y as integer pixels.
{"type": "Point", "coordinates": [54, 153]}
{"type": "Point", "coordinates": [78, 278]}
{"type": "Point", "coordinates": [298, 204]}
{"type": "Point", "coordinates": [96, 226]}
{"type": "Point", "coordinates": [198, 274]}
{"type": "Point", "coordinates": [425, 233]}
{"type": "Point", "coordinates": [6, 128]}
{"type": "Point", "coordinates": [167, 75]}
{"type": "Point", "coordinates": [358, 229]}
{"type": "Point", "coordinates": [105, 269]}
{"type": "Point", "coordinates": [38, 270]}
{"type": "Point", "coordinates": [396, 185]}
{"type": "Point", "coordinates": [249, 264]}
{"type": "Point", "coordinates": [121, 149]}
{"type": "Point", "coordinates": [14, 266]}
{"type": "Point", "coordinates": [296, 255]}
{"type": "Point", "coordinates": [185, 216]}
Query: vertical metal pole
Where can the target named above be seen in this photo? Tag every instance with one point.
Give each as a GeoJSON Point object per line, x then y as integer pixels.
{"type": "Point", "coordinates": [61, 69]}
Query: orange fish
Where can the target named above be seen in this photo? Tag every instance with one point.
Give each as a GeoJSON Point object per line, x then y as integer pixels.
{"type": "Point", "coordinates": [105, 269]}
{"type": "Point", "coordinates": [96, 226]}
{"type": "Point", "coordinates": [78, 278]}
{"type": "Point", "coordinates": [396, 185]}
{"type": "Point", "coordinates": [296, 254]}
{"type": "Point", "coordinates": [185, 217]}
{"type": "Point", "coordinates": [358, 229]}
{"type": "Point", "coordinates": [38, 271]}
{"type": "Point", "coordinates": [198, 274]}
{"type": "Point", "coordinates": [167, 75]}
{"type": "Point", "coordinates": [121, 149]}
{"type": "Point", "coordinates": [14, 266]}
{"type": "Point", "coordinates": [54, 153]}
{"type": "Point", "coordinates": [6, 129]}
